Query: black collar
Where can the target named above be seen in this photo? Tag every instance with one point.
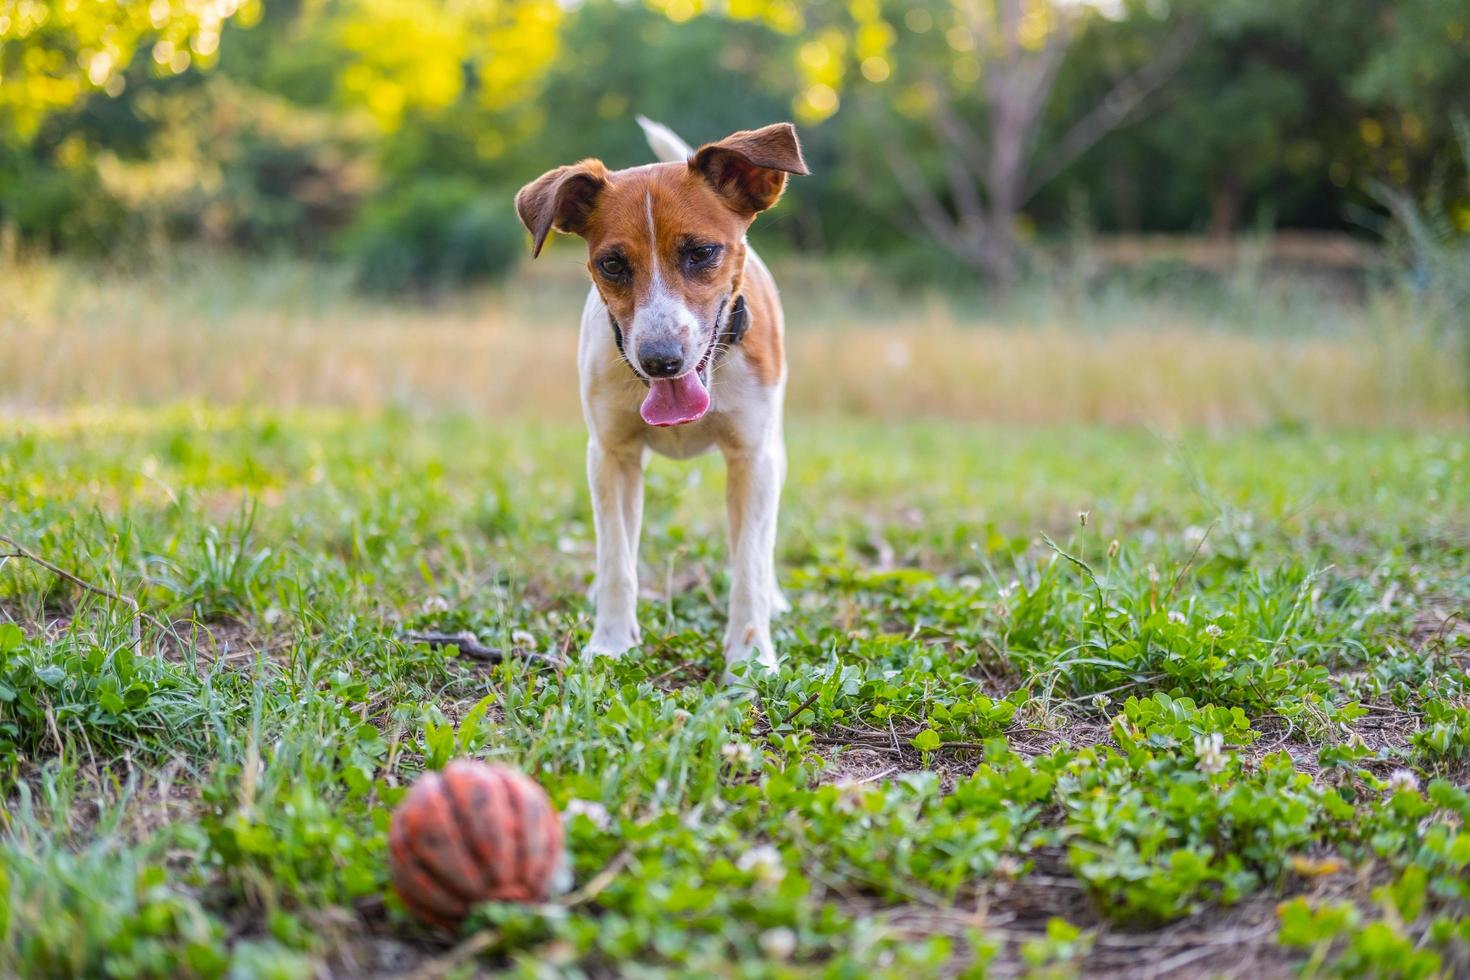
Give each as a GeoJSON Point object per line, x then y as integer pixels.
{"type": "Point", "coordinates": [730, 334]}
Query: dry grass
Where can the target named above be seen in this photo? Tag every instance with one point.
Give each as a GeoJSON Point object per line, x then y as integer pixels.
{"type": "Point", "coordinates": [289, 335]}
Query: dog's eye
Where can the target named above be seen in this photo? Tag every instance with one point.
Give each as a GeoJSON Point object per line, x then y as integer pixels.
{"type": "Point", "coordinates": [613, 267]}
{"type": "Point", "coordinates": [702, 254]}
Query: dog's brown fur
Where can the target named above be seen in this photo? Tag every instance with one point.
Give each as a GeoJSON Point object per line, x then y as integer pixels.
{"type": "Point", "coordinates": [711, 199]}
{"type": "Point", "coordinates": [667, 253]}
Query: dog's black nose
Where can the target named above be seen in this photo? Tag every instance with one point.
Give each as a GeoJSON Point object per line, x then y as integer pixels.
{"type": "Point", "coordinates": [661, 358]}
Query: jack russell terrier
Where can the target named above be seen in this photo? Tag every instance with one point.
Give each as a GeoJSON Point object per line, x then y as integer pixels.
{"type": "Point", "coordinates": [680, 352]}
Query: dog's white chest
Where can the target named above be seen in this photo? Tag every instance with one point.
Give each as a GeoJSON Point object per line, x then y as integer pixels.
{"type": "Point", "coordinates": [684, 441]}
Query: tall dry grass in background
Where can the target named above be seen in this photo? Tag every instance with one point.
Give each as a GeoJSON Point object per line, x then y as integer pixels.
{"type": "Point", "coordinates": [219, 330]}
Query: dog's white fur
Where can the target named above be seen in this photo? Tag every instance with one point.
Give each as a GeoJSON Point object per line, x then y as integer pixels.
{"type": "Point", "coordinates": [744, 423]}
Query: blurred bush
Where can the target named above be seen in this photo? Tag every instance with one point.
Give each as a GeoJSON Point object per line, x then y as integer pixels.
{"type": "Point", "coordinates": [236, 166]}
{"type": "Point", "coordinates": [61, 208]}
{"type": "Point", "coordinates": [432, 234]}
{"type": "Point", "coordinates": [1280, 115]}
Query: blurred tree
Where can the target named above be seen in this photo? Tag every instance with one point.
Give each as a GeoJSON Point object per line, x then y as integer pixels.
{"type": "Point", "coordinates": [1283, 115]}
{"type": "Point", "coordinates": [965, 125]}
{"type": "Point", "coordinates": [54, 52]}
{"type": "Point", "coordinates": [969, 83]}
{"type": "Point", "coordinates": [983, 93]}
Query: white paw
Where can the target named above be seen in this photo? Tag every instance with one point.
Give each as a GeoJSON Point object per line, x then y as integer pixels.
{"type": "Point", "coordinates": [752, 646]}
{"type": "Point", "coordinates": [611, 642]}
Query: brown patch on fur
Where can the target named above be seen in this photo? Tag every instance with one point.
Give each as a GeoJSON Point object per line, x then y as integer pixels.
{"type": "Point", "coordinates": [711, 200]}
{"type": "Point", "coordinates": [764, 344]}
{"type": "Point", "coordinates": [564, 199]}
{"type": "Point", "coordinates": [749, 168]}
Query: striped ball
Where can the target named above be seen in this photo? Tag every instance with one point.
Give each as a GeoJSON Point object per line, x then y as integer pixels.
{"type": "Point", "coordinates": [473, 833]}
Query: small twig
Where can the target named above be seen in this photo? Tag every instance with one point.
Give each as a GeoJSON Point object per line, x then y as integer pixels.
{"type": "Point", "coordinates": [877, 776]}
{"type": "Point", "coordinates": [469, 644]}
{"type": "Point", "coordinates": [22, 552]}
{"type": "Point", "coordinates": [666, 674]}
{"type": "Point", "coordinates": [1087, 698]}
{"type": "Point", "coordinates": [598, 882]}
{"type": "Point", "coordinates": [802, 707]}
{"type": "Point", "coordinates": [1285, 736]}
{"type": "Point", "coordinates": [467, 949]}
{"type": "Point", "coordinates": [856, 744]}
{"type": "Point", "coordinates": [1192, 556]}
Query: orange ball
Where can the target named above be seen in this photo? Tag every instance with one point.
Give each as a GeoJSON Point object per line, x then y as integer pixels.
{"type": "Point", "coordinates": [473, 833]}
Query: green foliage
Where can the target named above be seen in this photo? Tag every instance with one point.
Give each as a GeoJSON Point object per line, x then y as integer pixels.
{"type": "Point", "coordinates": [92, 687]}
{"type": "Point", "coordinates": [104, 906]}
{"type": "Point", "coordinates": [435, 233]}
{"type": "Point", "coordinates": [950, 724]}
{"type": "Point", "coordinates": [53, 53]}
{"type": "Point", "coordinates": [58, 207]}
{"type": "Point", "coordinates": [1447, 732]}
{"type": "Point", "coordinates": [1283, 114]}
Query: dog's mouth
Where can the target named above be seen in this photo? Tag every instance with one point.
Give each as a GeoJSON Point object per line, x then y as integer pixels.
{"type": "Point", "coordinates": [681, 400]}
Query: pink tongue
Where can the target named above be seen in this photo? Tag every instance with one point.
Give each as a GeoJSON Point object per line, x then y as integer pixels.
{"type": "Point", "coordinates": [675, 402]}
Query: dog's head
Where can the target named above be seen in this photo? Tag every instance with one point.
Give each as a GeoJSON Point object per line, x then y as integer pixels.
{"type": "Point", "coordinates": [666, 249]}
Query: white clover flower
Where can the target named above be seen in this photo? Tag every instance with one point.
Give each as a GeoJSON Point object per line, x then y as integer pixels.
{"type": "Point", "coordinates": [1402, 780]}
{"type": "Point", "coordinates": [1153, 574]}
{"type": "Point", "coordinates": [763, 861]}
{"type": "Point", "coordinates": [681, 717]}
{"type": "Point", "coordinates": [524, 639]}
{"type": "Point", "coordinates": [739, 754]}
{"type": "Point", "coordinates": [591, 809]}
{"type": "Point", "coordinates": [1114, 546]}
{"type": "Point", "coordinates": [1210, 752]}
{"type": "Point", "coordinates": [1082, 516]}
{"type": "Point", "coordinates": [778, 943]}
{"type": "Point", "coordinates": [1101, 701]}
{"type": "Point", "coordinates": [435, 604]}
{"type": "Point", "coordinates": [1175, 616]}
{"type": "Point", "coordinates": [1214, 632]}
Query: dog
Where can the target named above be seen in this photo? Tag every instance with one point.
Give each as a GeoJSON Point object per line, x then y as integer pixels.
{"type": "Point", "coordinates": [680, 352]}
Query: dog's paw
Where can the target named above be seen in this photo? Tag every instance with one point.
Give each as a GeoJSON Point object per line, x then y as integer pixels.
{"type": "Point", "coordinates": [611, 642]}
{"type": "Point", "coordinates": [751, 647]}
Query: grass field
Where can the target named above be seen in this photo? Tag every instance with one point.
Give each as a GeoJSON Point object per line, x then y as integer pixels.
{"type": "Point", "coordinates": [1247, 350]}
{"type": "Point", "coordinates": [1180, 699]}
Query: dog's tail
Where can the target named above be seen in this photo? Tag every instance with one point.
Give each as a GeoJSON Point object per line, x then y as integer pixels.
{"type": "Point", "coordinates": [666, 144]}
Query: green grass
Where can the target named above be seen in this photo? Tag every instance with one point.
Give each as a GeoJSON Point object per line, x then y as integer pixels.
{"type": "Point", "coordinates": [1000, 735]}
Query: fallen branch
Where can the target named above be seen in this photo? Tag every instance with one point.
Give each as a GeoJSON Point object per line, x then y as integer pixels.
{"type": "Point", "coordinates": [599, 881]}
{"type": "Point", "coordinates": [802, 707]}
{"type": "Point", "coordinates": [23, 553]}
{"type": "Point", "coordinates": [467, 949]}
{"type": "Point", "coordinates": [469, 644]}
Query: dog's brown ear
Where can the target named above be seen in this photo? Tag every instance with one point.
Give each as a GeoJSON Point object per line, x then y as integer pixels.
{"type": "Point", "coordinates": [563, 199]}
{"type": "Point", "coordinates": [749, 168]}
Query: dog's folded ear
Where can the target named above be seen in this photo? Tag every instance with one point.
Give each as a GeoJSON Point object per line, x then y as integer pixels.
{"type": "Point", "coordinates": [563, 199]}
{"type": "Point", "coordinates": [749, 168]}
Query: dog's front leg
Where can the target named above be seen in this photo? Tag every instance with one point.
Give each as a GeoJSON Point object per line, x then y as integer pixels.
{"type": "Point", "coordinates": [616, 480]}
{"type": "Point", "coordinates": [752, 494]}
